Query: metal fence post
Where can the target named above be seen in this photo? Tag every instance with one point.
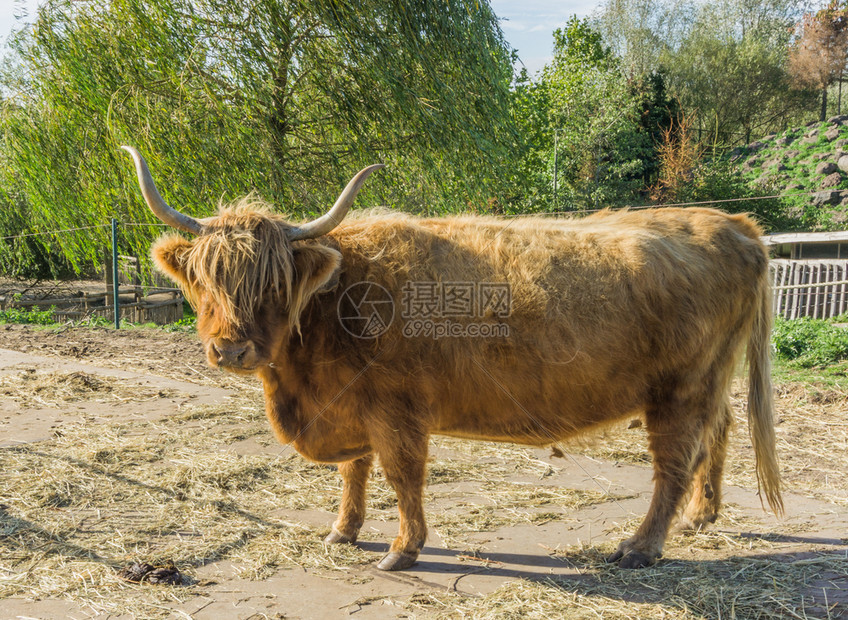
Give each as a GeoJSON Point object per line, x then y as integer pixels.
{"type": "Point", "coordinates": [115, 301]}
{"type": "Point", "coordinates": [556, 168]}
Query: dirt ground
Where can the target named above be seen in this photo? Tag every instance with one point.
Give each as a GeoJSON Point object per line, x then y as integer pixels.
{"type": "Point", "coordinates": [123, 447]}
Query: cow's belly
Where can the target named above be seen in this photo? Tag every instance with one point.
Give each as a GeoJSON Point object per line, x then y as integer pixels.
{"type": "Point", "coordinates": [515, 395]}
{"type": "Point", "coordinates": [330, 453]}
{"type": "Point", "coordinates": [526, 427]}
{"type": "Point", "coordinates": [526, 438]}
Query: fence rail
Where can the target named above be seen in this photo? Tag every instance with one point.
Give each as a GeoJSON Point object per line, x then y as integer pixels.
{"type": "Point", "coordinates": [816, 288]}
{"type": "Point", "coordinates": [138, 304]}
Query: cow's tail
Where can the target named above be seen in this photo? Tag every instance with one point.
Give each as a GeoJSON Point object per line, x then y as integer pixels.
{"type": "Point", "coordinates": [761, 399]}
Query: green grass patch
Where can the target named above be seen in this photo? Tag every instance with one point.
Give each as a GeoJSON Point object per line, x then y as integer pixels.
{"type": "Point", "coordinates": [800, 157]}
{"type": "Point", "coordinates": [810, 343]}
{"type": "Point", "coordinates": [833, 376]}
{"type": "Point", "coordinates": [46, 318]}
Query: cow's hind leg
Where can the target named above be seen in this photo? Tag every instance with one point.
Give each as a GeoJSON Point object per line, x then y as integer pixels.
{"type": "Point", "coordinates": [674, 434]}
{"type": "Point", "coordinates": [404, 461]}
{"type": "Point", "coordinates": [352, 510]}
{"type": "Point", "coordinates": [704, 506]}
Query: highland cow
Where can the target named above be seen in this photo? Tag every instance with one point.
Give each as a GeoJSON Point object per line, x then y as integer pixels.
{"type": "Point", "coordinates": [613, 315]}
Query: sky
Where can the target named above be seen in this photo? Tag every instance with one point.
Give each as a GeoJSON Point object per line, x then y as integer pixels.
{"type": "Point", "coordinates": [527, 24]}
{"type": "Point", "coordinates": [9, 11]}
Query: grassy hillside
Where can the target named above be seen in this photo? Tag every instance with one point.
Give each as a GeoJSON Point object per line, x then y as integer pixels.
{"type": "Point", "coordinates": [808, 167]}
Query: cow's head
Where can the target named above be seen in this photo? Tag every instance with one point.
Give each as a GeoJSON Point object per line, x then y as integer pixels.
{"type": "Point", "coordinates": [248, 273]}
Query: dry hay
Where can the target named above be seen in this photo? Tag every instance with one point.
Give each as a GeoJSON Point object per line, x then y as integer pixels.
{"type": "Point", "coordinates": [710, 574]}
{"type": "Point", "coordinates": [31, 388]}
{"type": "Point", "coordinates": [75, 510]}
{"type": "Point", "coordinates": [78, 508]}
{"type": "Point", "coordinates": [174, 355]}
{"type": "Point", "coordinates": [495, 501]}
{"type": "Point", "coordinates": [812, 441]}
{"type": "Point", "coordinates": [511, 504]}
{"type": "Point", "coordinates": [734, 588]}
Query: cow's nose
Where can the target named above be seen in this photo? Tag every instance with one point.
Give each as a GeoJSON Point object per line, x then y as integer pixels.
{"type": "Point", "coordinates": [231, 354]}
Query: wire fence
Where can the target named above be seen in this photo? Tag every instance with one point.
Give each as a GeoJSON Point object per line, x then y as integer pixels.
{"type": "Point", "coordinates": [663, 205]}
{"type": "Point", "coordinates": [577, 211]}
{"type": "Point", "coordinates": [53, 232]}
{"type": "Point", "coordinates": [124, 296]}
{"type": "Point", "coordinates": [130, 295]}
{"type": "Point", "coordinates": [79, 228]}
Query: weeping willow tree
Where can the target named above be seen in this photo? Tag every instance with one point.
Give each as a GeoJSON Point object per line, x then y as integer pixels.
{"type": "Point", "coordinates": [286, 98]}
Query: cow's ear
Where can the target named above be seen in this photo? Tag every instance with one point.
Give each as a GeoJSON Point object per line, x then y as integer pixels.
{"type": "Point", "coordinates": [316, 269]}
{"type": "Point", "coordinates": [169, 254]}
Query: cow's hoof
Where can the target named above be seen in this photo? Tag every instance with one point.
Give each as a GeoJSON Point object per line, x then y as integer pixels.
{"type": "Point", "coordinates": [397, 560]}
{"type": "Point", "coordinates": [631, 558]}
{"type": "Point", "coordinates": [634, 559]}
{"type": "Point", "coordinates": [688, 523]}
{"type": "Point", "coordinates": [336, 537]}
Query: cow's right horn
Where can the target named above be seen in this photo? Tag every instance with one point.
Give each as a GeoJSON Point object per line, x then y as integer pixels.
{"type": "Point", "coordinates": [335, 215]}
{"type": "Point", "coordinates": [154, 200]}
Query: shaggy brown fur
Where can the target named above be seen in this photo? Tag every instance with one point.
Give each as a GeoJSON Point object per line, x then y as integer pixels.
{"type": "Point", "coordinates": [617, 314]}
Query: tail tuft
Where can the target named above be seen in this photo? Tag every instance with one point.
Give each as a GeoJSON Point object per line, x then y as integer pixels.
{"type": "Point", "coordinates": [761, 401]}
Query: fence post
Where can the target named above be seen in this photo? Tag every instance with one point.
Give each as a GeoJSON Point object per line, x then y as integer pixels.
{"type": "Point", "coordinates": [556, 169]}
{"type": "Point", "coordinates": [115, 301]}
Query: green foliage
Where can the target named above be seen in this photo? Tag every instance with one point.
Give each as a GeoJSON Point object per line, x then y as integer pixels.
{"type": "Point", "coordinates": [810, 342]}
{"type": "Point", "coordinates": [658, 111]}
{"type": "Point", "coordinates": [530, 183]}
{"type": "Point", "coordinates": [288, 98]}
{"type": "Point", "coordinates": [598, 146]}
{"type": "Point", "coordinates": [716, 76]}
{"type": "Point", "coordinates": [47, 317]}
{"type": "Point", "coordinates": [590, 131]}
{"type": "Point", "coordinates": [579, 45]}
{"type": "Point", "coordinates": [185, 324]}
{"type": "Point", "coordinates": [726, 62]}
{"type": "Point", "coordinates": [28, 317]}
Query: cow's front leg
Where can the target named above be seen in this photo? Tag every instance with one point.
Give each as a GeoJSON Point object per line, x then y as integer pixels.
{"type": "Point", "coordinates": [352, 510]}
{"type": "Point", "coordinates": [404, 462]}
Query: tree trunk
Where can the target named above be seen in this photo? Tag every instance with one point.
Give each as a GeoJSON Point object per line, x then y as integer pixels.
{"type": "Point", "coordinates": [278, 110]}
{"type": "Point", "coordinates": [823, 117]}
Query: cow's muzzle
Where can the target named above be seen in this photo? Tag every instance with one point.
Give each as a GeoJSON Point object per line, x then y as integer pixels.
{"type": "Point", "coordinates": [232, 355]}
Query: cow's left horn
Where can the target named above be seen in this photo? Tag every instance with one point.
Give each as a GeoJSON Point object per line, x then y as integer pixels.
{"type": "Point", "coordinates": [154, 200]}
{"type": "Point", "coordinates": [334, 216]}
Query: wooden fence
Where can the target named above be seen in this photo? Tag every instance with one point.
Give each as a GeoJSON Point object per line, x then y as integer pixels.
{"type": "Point", "coordinates": [139, 304]}
{"type": "Point", "coordinates": [160, 303]}
{"type": "Point", "coordinates": [811, 287]}
{"type": "Point", "coordinates": [157, 302]}
{"type": "Point", "coordinates": [816, 288]}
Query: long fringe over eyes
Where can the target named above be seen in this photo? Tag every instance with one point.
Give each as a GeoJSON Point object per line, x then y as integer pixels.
{"type": "Point", "coordinates": [242, 260]}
